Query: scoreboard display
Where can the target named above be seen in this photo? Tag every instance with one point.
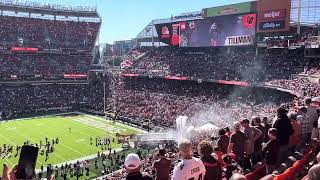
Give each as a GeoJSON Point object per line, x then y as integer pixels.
{"type": "Point", "coordinates": [231, 30]}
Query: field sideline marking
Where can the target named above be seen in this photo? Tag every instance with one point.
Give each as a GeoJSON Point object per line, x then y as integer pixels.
{"type": "Point", "coordinates": [82, 134]}
{"type": "Point", "coordinates": [101, 119]}
{"type": "Point", "coordinates": [69, 148]}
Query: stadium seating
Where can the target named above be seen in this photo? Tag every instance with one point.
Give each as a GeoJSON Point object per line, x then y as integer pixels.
{"type": "Point", "coordinates": [47, 33]}
{"type": "Point", "coordinates": [221, 63]}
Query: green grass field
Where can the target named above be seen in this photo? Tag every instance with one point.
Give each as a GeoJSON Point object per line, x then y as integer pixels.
{"type": "Point", "coordinates": [73, 145]}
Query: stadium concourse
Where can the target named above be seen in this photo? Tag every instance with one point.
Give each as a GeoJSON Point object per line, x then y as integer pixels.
{"type": "Point", "coordinates": [264, 101]}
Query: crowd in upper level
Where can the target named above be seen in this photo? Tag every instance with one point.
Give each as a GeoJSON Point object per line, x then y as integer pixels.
{"type": "Point", "coordinates": [241, 63]}
{"type": "Point", "coordinates": [45, 33]}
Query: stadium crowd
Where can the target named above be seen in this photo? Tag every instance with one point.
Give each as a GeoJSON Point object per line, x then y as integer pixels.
{"type": "Point", "coordinates": [253, 147]}
{"type": "Point", "coordinates": [239, 63]}
{"type": "Point", "coordinates": [35, 98]}
{"type": "Point", "coordinates": [42, 66]}
{"type": "Point", "coordinates": [47, 33]}
{"type": "Point", "coordinates": [265, 131]}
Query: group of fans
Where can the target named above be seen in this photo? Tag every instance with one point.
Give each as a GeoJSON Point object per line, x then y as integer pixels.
{"type": "Point", "coordinates": [41, 66]}
{"type": "Point", "coordinates": [250, 145]}
{"type": "Point", "coordinates": [241, 63]}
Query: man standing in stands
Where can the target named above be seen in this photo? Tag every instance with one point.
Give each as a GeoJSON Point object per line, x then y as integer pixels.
{"type": "Point", "coordinates": [189, 167]}
{"type": "Point", "coordinates": [266, 126]}
{"type": "Point", "coordinates": [285, 130]}
{"type": "Point", "coordinates": [162, 166]}
{"type": "Point", "coordinates": [223, 141]}
{"type": "Point", "coordinates": [270, 150]}
{"type": "Point", "coordinates": [256, 122]}
{"type": "Point", "coordinates": [306, 126]}
{"type": "Point", "coordinates": [211, 163]}
{"type": "Point", "coordinates": [311, 113]}
{"type": "Point", "coordinates": [237, 144]}
{"type": "Point", "coordinates": [253, 135]}
{"type": "Point", "coordinates": [132, 164]}
{"type": "Point", "coordinates": [296, 136]}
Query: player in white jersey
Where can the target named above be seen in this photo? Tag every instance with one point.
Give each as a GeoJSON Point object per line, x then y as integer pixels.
{"type": "Point", "coordinates": [190, 168]}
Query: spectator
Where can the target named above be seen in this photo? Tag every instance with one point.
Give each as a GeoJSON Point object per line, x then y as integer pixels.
{"type": "Point", "coordinates": [314, 172]}
{"type": "Point", "coordinates": [306, 126]}
{"type": "Point", "coordinates": [256, 121]}
{"type": "Point", "coordinates": [238, 176]}
{"type": "Point", "coordinates": [285, 130]}
{"type": "Point", "coordinates": [267, 126]}
{"type": "Point", "coordinates": [211, 163]}
{"type": "Point", "coordinates": [189, 167]}
{"type": "Point", "coordinates": [271, 150]}
{"type": "Point", "coordinates": [253, 134]}
{"type": "Point", "coordinates": [9, 174]}
{"type": "Point", "coordinates": [311, 112]}
{"type": "Point", "coordinates": [296, 136]}
{"type": "Point", "coordinates": [230, 167]}
{"type": "Point", "coordinates": [238, 141]}
{"type": "Point", "coordinates": [162, 166]}
{"type": "Point", "coordinates": [228, 132]}
{"type": "Point", "coordinates": [132, 165]}
{"type": "Point", "coordinates": [223, 141]}
{"type": "Point", "coordinates": [318, 158]}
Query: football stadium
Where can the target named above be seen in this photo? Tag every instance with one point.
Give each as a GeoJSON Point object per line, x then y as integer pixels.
{"type": "Point", "coordinates": [227, 92]}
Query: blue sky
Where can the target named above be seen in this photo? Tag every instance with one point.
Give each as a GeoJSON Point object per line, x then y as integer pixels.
{"type": "Point", "coordinates": [124, 19]}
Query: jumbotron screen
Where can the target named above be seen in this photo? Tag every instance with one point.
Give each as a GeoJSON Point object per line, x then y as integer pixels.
{"type": "Point", "coordinates": [232, 30]}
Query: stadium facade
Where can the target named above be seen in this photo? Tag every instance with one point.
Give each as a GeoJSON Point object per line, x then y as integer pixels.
{"type": "Point", "coordinates": [309, 16]}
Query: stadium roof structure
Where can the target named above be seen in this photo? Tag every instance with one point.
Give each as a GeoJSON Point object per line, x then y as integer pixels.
{"type": "Point", "coordinates": [310, 12]}
{"type": "Point", "coordinates": [48, 9]}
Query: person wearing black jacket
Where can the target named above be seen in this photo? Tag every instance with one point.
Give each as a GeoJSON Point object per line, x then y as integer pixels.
{"type": "Point", "coordinates": [285, 130]}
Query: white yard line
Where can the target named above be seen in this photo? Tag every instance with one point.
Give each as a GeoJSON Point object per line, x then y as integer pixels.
{"type": "Point", "coordinates": [7, 139]}
{"type": "Point", "coordinates": [17, 132]}
{"type": "Point", "coordinates": [97, 119]}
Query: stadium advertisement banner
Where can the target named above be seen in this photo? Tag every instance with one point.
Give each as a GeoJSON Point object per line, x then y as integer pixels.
{"type": "Point", "coordinates": [240, 8]}
{"type": "Point", "coordinates": [272, 25]}
{"type": "Point", "coordinates": [24, 49]}
{"type": "Point", "coordinates": [273, 15]}
{"type": "Point", "coordinates": [231, 30]}
{"type": "Point", "coordinates": [74, 76]}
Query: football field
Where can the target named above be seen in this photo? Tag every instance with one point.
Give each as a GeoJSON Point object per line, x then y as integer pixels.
{"type": "Point", "coordinates": [72, 144]}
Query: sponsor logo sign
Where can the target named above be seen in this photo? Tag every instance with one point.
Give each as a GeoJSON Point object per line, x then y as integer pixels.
{"type": "Point", "coordinates": [273, 14]}
{"type": "Point", "coordinates": [272, 25]}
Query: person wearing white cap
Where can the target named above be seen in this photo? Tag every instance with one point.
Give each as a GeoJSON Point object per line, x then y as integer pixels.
{"type": "Point", "coordinates": [189, 167]}
{"type": "Point", "coordinates": [132, 166]}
